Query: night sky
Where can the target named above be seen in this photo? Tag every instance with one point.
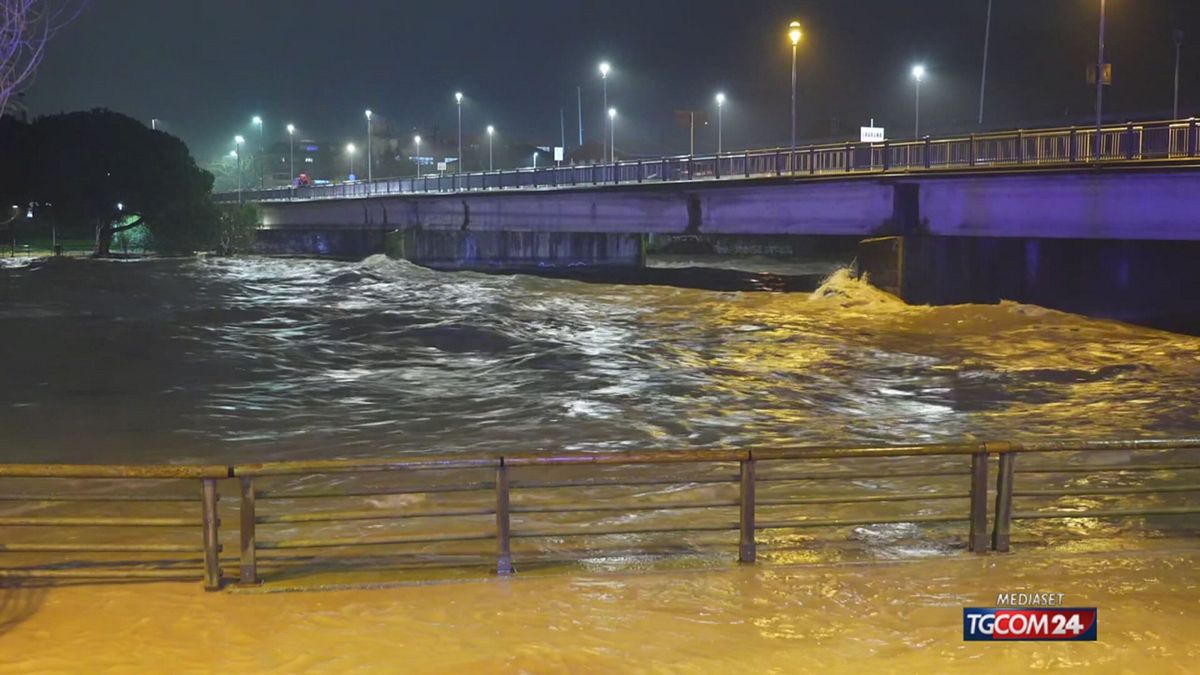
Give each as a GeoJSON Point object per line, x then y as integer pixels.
{"type": "Point", "coordinates": [204, 67]}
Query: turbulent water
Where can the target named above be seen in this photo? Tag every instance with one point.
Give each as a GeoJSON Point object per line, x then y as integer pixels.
{"type": "Point", "coordinates": [255, 359]}
{"type": "Point", "coordinates": [238, 360]}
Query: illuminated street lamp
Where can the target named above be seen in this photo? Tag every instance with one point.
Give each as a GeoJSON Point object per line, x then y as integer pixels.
{"type": "Point", "coordinates": [262, 178]}
{"type": "Point", "coordinates": [291, 129]}
{"type": "Point", "coordinates": [612, 144]}
{"type": "Point", "coordinates": [237, 153]}
{"type": "Point", "coordinates": [370, 160]}
{"type": "Point", "coordinates": [417, 158]}
{"type": "Point", "coordinates": [794, 35]}
{"type": "Point", "coordinates": [604, 68]}
{"type": "Point", "coordinates": [458, 97]}
{"type": "Point", "coordinates": [1100, 84]}
{"type": "Point", "coordinates": [350, 149]}
{"type": "Point", "coordinates": [918, 75]}
{"type": "Point", "coordinates": [720, 107]}
{"type": "Point", "coordinates": [491, 132]}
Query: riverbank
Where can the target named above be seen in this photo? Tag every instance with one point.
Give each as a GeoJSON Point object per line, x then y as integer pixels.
{"type": "Point", "coordinates": [901, 617]}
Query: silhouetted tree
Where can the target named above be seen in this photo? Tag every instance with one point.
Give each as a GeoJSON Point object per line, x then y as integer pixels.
{"type": "Point", "coordinates": [26, 26]}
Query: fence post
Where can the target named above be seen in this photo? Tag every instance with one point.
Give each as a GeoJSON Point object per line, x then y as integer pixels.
{"type": "Point", "coordinates": [979, 481]}
{"type": "Point", "coordinates": [717, 166]}
{"type": "Point", "coordinates": [1002, 531]}
{"type": "Point", "coordinates": [928, 149]}
{"type": "Point", "coordinates": [504, 564]}
{"type": "Point", "coordinates": [1191, 142]}
{"type": "Point", "coordinates": [249, 563]}
{"type": "Point", "coordinates": [849, 158]}
{"type": "Point", "coordinates": [663, 173]}
{"type": "Point", "coordinates": [887, 156]}
{"type": "Point", "coordinates": [812, 160]}
{"type": "Point", "coordinates": [1074, 150]}
{"type": "Point", "coordinates": [971, 148]}
{"type": "Point", "coordinates": [639, 170]}
{"type": "Point", "coordinates": [1021, 146]}
{"type": "Point", "coordinates": [616, 173]}
{"type": "Point", "coordinates": [212, 545]}
{"type": "Point", "coordinates": [747, 552]}
{"type": "Point", "coordinates": [1129, 140]}
{"type": "Point", "coordinates": [747, 166]}
{"type": "Point", "coordinates": [778, 163]}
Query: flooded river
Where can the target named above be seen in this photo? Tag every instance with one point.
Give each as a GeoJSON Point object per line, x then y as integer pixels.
{"type": "Point", "coordinates": [246, 360]}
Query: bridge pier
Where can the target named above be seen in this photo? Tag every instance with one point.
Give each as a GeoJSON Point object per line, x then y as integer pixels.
{"type": "Point", "coordinates": [497, 250]}
{"type": "Point", "coordinates": [1148, 282]}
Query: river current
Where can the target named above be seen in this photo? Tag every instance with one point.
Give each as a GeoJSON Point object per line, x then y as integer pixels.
{"type": "Point", "coordinates": [255, 359]}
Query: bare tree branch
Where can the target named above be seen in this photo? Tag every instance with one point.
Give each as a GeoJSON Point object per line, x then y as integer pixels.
{"type": "Point", "coordinates": [26, 26]}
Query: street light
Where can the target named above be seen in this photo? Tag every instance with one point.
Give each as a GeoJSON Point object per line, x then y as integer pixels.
{"type": "Point", "coordinates": [604, 68]}
{"type": "Point", "coordinates": [987, 37]}
{"type": "Point", "coordinates": [1100, 85]}
{"type": "Point", "coordinates": [918, 74]}
{"type": "Point", "coordinates": [262, 179]}
{"type": "Point", "coordinates": [350, 151]}
{"type": "Point", "coordinates": [291, 129]}
{"type": "Point", "coordinates": [458, 100]}
{"type": "Point", "coordinates": [237, 152]}
{"type": "Point", "coordinates": [417, 158]}
{"type": "Point", "coordinates": [491, 132]}
{"type": "Point", "coordinates": [720, 107]}
{"type": "Point", "coordinates": [612, 144]}
{"type": "Point", "coordinates": [1178, 49]}
{"type": "Point", "coordinates": [794, 35]}
{"type": "Point", "coordinates": [370, 160]}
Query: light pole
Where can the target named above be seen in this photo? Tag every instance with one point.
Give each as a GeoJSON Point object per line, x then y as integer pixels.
{"type": "Point", "coordinates": [612, 144]}
{"type": "Point", "coordinates": [794, 35]}
{"type": "Point", "coordinates": [535, 159]}
{"type": "Point", "coordinates": [417, 158]}
{"type": "Point", "coordinates": [370, 159]}
{"type": "Point", "coordinates": [350, 151]}
{"type": "Point", "coordinates": [154, 124]}
{"type": "Point", "coordinates": [291, 129]}
{"type": "Point", "coordinates": [720, 122]}
{"type": "Point", "coordinates": [458, 100]}
{"type": "Point", "coordinates": [258, 122]}
{"type": "Point", "coordinates": [1100, 85]}
{"type": "Point", "coordinates": [918, 74]}
{"type": "Point", "coordinates": [491, 132]}
{"type": "Point", "coordinates": [237, 152]}
{"type": "Point", "coordinates": [604, 68]}
{"type": "Point", "coordinates": [1178, 50]}
{"type": "Point", "coordinates": [987, 36]}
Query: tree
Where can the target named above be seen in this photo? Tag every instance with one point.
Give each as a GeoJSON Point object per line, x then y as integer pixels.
{"type": "Point", "coordinates": [26, 26]}
{"type": "Point", "coordinates": [98, 168]}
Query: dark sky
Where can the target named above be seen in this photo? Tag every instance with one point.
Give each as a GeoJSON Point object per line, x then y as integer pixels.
{"type": "Point", "coordinates": [204, 67]}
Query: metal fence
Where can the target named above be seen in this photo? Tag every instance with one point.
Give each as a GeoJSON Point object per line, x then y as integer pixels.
{"type": "Point", "coordinates": [302, 507]}
{"type": "Point", "coordinates": [1159, 141]}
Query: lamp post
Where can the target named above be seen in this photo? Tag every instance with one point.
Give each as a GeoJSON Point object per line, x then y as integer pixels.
{"type": "Point", "coordinates": [604, 68]}
{"type": "Point", "coordinates": [720, 122]}
{"type": "Point", "coordinates": [258, 122]}
{"type": "Point", "coordinates": [1100, 85]}
{"type": "Point", "coordinates": [987, 36]}
{"type": "Point", "coordinates": [291, 129]}
{"type": "Point", "coordinates": [458, 100]}
{"type": "Point", "coordinates": [612, 144]}
{"type": "Point", "coordinates": [237, 153]}
{"type": "Point", "coordinates": [1178, 49]}
{"type": "Point", "coordinates": [918, 75]}
{"type": "Point", "coordinates": [350, 149]}
{"type": "Point", "coordinates": [794, 35]}
{"type": "Point", "coordinates": [417, 158]}
{"type": "Point", "coordinates": [535, 159]}
{"type": "Point", "coordinates": [370, 158]}
{"type": "Point", "coordinates": [491, 132]}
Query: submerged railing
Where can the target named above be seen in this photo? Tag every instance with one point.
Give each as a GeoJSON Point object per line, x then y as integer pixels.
{"type": "Point", "coordinates": [1157, 141]}
{"type": "Point", "coordinates": [502, 500]}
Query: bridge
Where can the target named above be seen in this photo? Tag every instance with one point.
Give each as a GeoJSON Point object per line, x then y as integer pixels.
{"type": "Point", "coordinates": [1101, 221]}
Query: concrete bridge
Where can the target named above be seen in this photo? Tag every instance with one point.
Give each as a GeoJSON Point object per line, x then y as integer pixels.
{"type": "Point", "coordinates": [1028, 215]}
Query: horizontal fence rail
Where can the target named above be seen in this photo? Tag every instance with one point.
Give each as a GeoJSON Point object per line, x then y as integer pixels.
{"type": "Point", "coordinates": [760, 497]}
{"type": "Point", "coordinates": [1154, 141]}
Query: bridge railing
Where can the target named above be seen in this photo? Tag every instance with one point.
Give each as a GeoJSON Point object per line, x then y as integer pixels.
{"type": "Point", "coordinates": [299, 517]}
{"type": "Point", "coordinates": [1064, 146]}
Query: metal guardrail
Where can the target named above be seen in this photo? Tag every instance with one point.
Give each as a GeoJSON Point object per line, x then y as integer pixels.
{"type": "Point", "coordinates": [1155, 141]}
{"type": "Point", "coordinates": [503, 499]}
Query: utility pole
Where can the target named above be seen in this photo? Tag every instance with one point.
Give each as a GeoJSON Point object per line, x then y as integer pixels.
{"type": "Point", "coordinates": [579, 98]}
{"type": "Point", "coordinates": [1100, 86]}
{"type": "Point", "coordinates": [1178, 50]}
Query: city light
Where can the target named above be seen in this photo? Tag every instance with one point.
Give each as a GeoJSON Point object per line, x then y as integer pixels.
{"type": "Point", "coordinates": [720, 121]}
{"type": "Point", "coordinates": [604, 68]}
{"type": "Point", "coordinates": [918, 72]}
{"type": "Point", "coordinates": [239, 140]}
{"type": "Point", "coordinates": [368, 115]}
{"type": "Point", "coordinates": [417, 157]}
{"type": "Point", "coordinates": [491, 131]}
{"type": "Point", "coordinates": [257, 120]}
{"type": "Point", "coordinates": [458, 164]}
{"type": "Point", "coordinates": [291, 128]}
{"type": "Point", "coordinates": [794, 33]}
{"type": "Point", "coordinates": [918, 76]}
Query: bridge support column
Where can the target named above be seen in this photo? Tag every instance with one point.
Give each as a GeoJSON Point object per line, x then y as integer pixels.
{"type": "Point", "coordinates": [494, 250]}
{"type": "Point", "coordinates": [1139, 281]}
